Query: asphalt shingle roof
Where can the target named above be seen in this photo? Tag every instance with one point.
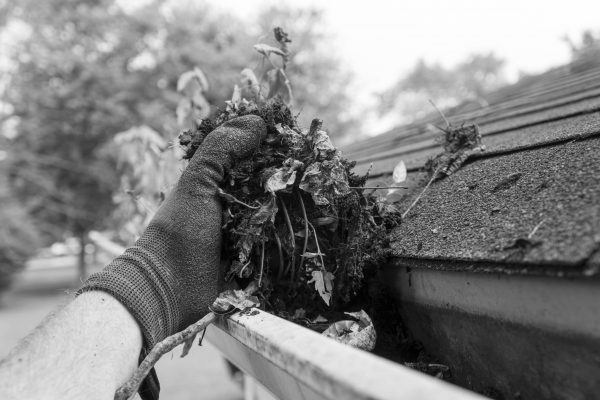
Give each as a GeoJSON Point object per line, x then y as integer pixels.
{"type": "Point", "coordinates": [541, 168]}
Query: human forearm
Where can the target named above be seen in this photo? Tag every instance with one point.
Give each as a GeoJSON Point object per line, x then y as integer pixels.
{"type": "Point", "coordinates": [86, 350]}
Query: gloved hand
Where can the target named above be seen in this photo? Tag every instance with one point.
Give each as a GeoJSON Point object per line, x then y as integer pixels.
{"type": "Point", "coordinates": [169, 277]}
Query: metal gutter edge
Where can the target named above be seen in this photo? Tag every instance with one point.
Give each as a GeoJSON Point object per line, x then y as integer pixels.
{"type": "Point", "coordinates": [296, 363]}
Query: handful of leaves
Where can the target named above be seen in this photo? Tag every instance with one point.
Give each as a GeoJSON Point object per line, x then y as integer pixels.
{"type": "Point", "coordinates": [296, 219]}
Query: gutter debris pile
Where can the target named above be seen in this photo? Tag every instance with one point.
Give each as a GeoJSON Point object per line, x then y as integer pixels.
{"type": "Point", "coordinates": [297, 220]}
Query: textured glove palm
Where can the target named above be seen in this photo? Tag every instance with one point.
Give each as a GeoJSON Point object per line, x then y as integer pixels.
{"type": "Point", "coordinates": [169, 277]}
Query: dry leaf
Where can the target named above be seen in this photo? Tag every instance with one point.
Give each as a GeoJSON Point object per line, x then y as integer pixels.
{"type": "Point", "coordinates": [323, 284]}
{"type": "Point", "coordinates": [233, 299]}
{"type": "Point", "coordinates": [360, 334]}
{"type": "Point", "coordinates": [400, 173]}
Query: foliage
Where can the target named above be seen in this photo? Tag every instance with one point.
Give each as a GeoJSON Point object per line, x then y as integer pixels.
{"type": "Point", "coordinates": [321, 83]}
{"type": "Point", "coordinates": [586, 53]}
{"type": "Point", "coordinates": [296, 219]}
{"type": "Point", "coordinates": [83, 71]}
{"type": "Point", "coordinates": [18, 236]}
{"type": "Point", "coordinates": [469, 80]}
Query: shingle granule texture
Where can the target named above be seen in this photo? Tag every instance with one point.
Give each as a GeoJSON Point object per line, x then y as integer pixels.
{"type": "Point", "coordinates": [485, 212]}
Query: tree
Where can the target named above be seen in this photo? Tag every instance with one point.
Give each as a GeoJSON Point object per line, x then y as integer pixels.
{"type": "Point", "coordinates": [18, 235]}
{"type": "Point", "coordinates": [82, 71]}
{"type": "Point", "coordinates": [586, 53]}
{"type": "Point", "coordinates": [469, 80]}
{"type": "Point", "coordinates": [320, 81]}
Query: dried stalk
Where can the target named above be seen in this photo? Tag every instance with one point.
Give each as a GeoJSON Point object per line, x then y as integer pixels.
{"type": "Point", "coordinates": [421, 194]}
{"type": "Point", "coordinates": [186, 337]}
{"type": "Point", "coordinates": [305, 230]}
{"type": "Point", "coordinates": [292, 236]}
{"type": "Point", "coordinates": [130, 387]}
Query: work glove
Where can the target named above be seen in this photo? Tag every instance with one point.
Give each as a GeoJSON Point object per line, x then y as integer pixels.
{"type": "Point", "coordinates": [169, 277]}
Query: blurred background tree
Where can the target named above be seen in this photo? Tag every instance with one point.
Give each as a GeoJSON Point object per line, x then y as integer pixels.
{"type": "Point", "coordinates": [585, 53]}
{"type": "Point", "coordinates": [470, 80]}
{"type": "Point", "coordinates": [77, 73]}
{"type": "Point", "coordinates": [321, 85]}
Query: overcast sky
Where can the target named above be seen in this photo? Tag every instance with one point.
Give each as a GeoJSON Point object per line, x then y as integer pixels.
{"type": "Point", "coordinates": [380, 40]}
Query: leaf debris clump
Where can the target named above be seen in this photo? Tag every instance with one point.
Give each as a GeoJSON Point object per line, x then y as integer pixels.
{"type": "Point", "coordinates": [296, 218]}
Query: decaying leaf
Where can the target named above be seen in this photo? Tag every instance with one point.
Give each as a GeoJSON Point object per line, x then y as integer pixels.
{"type": "Point", "coordinates": [323, 148]}
{"type": "Point", "coordinates": [265, 213]}
{"type": "Point", "coordinates": [284, 176]}
{"type": "Point", "coordinates": [359, 333]}
{"type": "Point", "coordinates": [233, 300]}
{"type": "Point", "coordinates": [323, 281]}
{"type": "Point", "coordinates": [325, 181]}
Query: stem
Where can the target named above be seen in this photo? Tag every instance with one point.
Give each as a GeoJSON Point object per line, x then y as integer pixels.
{"type": "Point", "coordinates": [535, 229]}
{"type": "Point", "coordinates": [241, 275]}
{"type": "Point", "coordinates": [262, 263]}
{"type": "Point", "coordinates": [420, 194]}
{"type": "Point", "coordinates": [130, 387]}
{"type": "Point", "coordinates": [292, 236]}
{"type": "Point", "coordinates": [232, 199]}
{"type": "Point", "coordinates": [378, 187]}
{"type": "Point", "coordinates": [280, 251]}
{"type": "Point", "coordinates": [441, 113]}
{"type": "Point", "coordinates": [318, 248]}
{"type": "Point", "coordinates": [305, 228]}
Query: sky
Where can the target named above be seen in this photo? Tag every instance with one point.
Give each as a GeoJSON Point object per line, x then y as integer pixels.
{"type": "Point", "coordinates": [381, 40]}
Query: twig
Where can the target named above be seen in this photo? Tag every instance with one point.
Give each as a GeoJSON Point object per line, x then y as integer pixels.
{"type": "Point", "coordinates": [441, 113]}
{"type": "Point", "coordinates": [262, 263]}
{"type": "Point", "coordinates": [280, 251]}
{"type": "Point", "coordinates": [318, 248]}
{"type": "Point", "coordinates": [292, 236]}
{"type": "Point", "coordinates": [305, 229]}
{"type": "Point", "coordinates": [130, 387]}
{"type": "Point", "coordinates": [535, 229]}
{"type": "Point", "coordinates": [232, 199]}
{"type": "Point", "coordinates": [377, 187]}
{"type": "Point", "coordinates": [420, 194]}
{"type": "Point", "coordinates": [241, 274]}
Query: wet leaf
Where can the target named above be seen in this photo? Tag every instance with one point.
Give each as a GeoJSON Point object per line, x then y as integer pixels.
{"type": "Point", "coordinates": [325, 181]}
{"type": "Point", "coordinates": [265, 213]}
{"type": "Point", "coordinates": [284, 176]}
{"type": "Point", "coordinates": [234, 299]}
{"type": "Point", "coordinates": [322, 146]}
{"type": "Point", "coordinates": [360, 334]}
{"type": "Point", "coordinates": [280, 180]}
